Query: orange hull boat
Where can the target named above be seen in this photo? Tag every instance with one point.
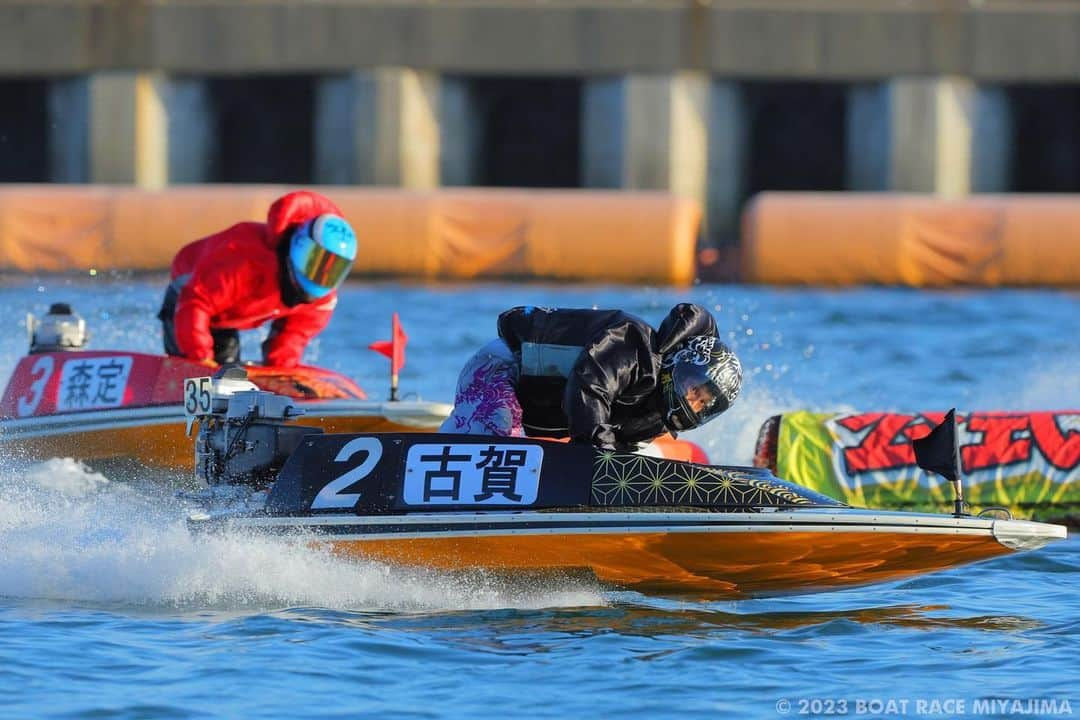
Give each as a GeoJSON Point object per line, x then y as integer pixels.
{"type": "Point", "coordinates": [703, 555]}
{"type": "Point", "coordinates": [499, 504]}
{"type": "Point", "coordinates": [125, 406]}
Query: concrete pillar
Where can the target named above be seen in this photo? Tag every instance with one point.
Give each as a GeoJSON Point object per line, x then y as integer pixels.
{"type": "Point", "coordinates": [378, 127]}
{"type": "Point", "coordinates": [869, 145]}
{"type": "Point", "coordinates": [128, 130]}
{"type": "Point", "coordinates": [668, 138]}
{"type": "Point", "coordinates": [192, 136]}
{"type": "Point", "coordinates": [336, 130]}
{"type": "Point", "coordinates": [729, 150]}
{"type": "Point", "coordinates": [459, 133]}
{"type": "Point", "coordinates": [991, 168]}
{"type": "Point", "coordinates": [69, 137]}
{"type": "Point", "coordinates": [603, 130]}
{"type": "Point", "coordinates": [140, 128]}
{"type": "Point", "coordinates": [677, 132]}
{"type": "Point", "coordinates": [941, 135]}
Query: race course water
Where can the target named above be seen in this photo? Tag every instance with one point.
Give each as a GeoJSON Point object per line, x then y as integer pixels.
{"type": "Point", "coordinates": [110, 609]}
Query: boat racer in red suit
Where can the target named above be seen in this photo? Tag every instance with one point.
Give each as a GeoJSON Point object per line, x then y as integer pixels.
{"type": "Point", "coordinates": [285, 271]}
{"type": "Point", "coordinates": [603, 377]}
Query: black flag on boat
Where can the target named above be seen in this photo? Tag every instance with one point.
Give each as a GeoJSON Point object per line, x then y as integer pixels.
{"type": "Point", "coordinates": [939, 452]}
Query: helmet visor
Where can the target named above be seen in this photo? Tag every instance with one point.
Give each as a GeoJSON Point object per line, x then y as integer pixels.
{"type": "Point", "coordinates": [320, 265]}
{"type": "Point", "coordinates": [699, 395]}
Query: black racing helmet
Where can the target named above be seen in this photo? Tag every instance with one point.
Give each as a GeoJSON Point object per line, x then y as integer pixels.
{"type": "Point", "coordinates": [699, 379]}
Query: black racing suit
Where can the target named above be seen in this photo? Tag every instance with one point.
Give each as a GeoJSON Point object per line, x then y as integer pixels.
{"type": "Point", "coordinates": [595, 374]}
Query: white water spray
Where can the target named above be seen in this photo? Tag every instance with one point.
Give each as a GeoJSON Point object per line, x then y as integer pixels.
{"type": "Point", "coordinates": [68, 533]}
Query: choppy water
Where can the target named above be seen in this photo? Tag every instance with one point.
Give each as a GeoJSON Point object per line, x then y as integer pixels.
{"type": "Point", "coordinates": [109, 609]}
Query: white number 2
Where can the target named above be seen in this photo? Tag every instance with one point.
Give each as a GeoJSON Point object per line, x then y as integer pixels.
{"type": "Point", "coordinates": [329, 496]}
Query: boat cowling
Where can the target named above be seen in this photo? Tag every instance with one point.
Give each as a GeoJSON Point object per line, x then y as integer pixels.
{"type": "Point", "coordinates": [245, 438]}
{"type": "Point", "coordinates": [413, 472]}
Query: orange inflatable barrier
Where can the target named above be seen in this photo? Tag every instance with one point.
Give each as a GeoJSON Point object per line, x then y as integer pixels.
{"type": "Point", "coordinates": [446, 234]}
{"type": "Point", "coordinates": [921, 241]}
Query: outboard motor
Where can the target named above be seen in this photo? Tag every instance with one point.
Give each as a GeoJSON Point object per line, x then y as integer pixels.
{"type": "Point", "coordinates": [62, 329]}
{"type": "Point", "coordinates": [244, 435]}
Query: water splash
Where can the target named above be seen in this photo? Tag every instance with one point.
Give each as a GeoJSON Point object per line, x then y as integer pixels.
{"type": "Point", "coordinates": [1049, 384]}
{"type": "Point", "coordinates": [730, 439]}
{"type": "Point", "coordinates": [68, 533]}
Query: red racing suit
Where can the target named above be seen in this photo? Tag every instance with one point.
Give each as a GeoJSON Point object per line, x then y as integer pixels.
{"type": "Point", "coordinates": [238, 281]}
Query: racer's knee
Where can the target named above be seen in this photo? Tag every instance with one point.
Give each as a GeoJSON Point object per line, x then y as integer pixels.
{"type": "Point", "coordinates": [486, 400]}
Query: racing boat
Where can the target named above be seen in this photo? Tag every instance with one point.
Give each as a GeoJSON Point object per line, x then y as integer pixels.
{"type": "Point", "coordinates": [119, 406]}
{"type": "Point", "coordinates": [457, 502]}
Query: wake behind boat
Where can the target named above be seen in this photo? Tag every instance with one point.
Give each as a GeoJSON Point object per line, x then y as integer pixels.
{"type": "Point", "coordinates": [456, 502]}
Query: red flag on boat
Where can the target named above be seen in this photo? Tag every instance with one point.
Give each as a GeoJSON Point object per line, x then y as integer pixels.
{"type": "Point", "coordinates": [395, 350]}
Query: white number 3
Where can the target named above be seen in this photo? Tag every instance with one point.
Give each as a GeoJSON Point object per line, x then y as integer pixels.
{"type": "Point", "coordinates": [330, 496]}
{"type": "Point", "coordinates": [28, 404]}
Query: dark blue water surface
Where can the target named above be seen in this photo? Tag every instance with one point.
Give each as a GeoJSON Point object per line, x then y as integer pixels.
{"type": "Point", "coordinates": [108, 608]}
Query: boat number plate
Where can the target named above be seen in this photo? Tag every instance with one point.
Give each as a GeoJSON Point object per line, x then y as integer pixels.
{"type": "Point", "coordinates": [89, 383]}
{"type": "Point", "coordinates": [472, 474]}
{"type": "Point", "coordinates": [197, 396]}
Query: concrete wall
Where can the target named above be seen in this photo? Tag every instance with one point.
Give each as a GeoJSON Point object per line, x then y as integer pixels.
{"type": "Point", "coordinates": [686, 133]}
{"type": "Point", "coordinates": [663, 103]}
{"type": "Point", "coordinates": [1004, 40]}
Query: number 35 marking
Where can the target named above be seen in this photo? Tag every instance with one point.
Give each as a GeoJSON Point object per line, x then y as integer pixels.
{"type": "Point", "coordinates": [197, 396]}
{"type": "Point", "coordinates": [331, 495]}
